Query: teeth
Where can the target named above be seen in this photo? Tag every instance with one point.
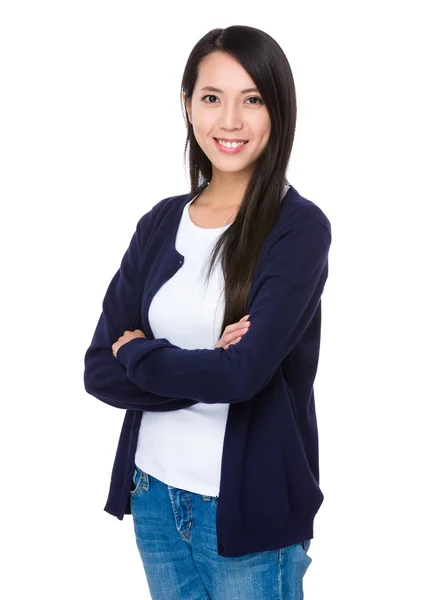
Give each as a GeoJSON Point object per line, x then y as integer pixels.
{"type": "Point", "coordinates": [230, 144]}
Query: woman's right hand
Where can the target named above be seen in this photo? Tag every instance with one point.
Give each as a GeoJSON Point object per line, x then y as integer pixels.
{"type": "Point", "coordinates": [233, 333]}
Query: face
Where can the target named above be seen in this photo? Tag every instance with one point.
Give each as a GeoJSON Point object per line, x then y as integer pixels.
{"type": "Point", "coordinates": [229, 113]}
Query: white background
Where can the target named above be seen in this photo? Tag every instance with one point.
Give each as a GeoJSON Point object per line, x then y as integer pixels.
{"type": "Point", "coordinates": [91, 137]}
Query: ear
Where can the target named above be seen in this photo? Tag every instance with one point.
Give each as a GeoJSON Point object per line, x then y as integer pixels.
{"type": "Point", "coordinates": [188, 107]}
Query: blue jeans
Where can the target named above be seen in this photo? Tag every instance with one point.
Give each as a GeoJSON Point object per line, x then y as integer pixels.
{"type": "Point", "coordinates": [177, 541]}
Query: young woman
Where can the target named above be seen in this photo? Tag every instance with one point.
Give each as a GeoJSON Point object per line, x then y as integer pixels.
{"type": "Point", "coordinates": [217, 459]}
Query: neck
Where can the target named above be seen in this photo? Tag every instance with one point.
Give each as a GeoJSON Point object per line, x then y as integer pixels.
{"type": "Point", "coordinates": [225, 189]}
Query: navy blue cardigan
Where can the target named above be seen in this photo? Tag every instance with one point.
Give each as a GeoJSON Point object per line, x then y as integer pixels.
{"type": "Point", "coordinates": [269, 487]}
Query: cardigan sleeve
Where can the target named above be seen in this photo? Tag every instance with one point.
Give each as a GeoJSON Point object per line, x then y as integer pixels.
{"type": "Point", "coordinates": [104, 377]}
{"type": "Point", "coordinates": [287, 294]}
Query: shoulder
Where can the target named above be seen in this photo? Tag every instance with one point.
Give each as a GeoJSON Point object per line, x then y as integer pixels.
{"type": "Point", "coordinates": [152, 218]}
{"type": "Point", "coordinates": [302, 231]}
{"type": "Point", "coordinates": [299, 213]}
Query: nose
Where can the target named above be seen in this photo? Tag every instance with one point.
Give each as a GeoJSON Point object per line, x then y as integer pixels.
{"type": "Point", "coordinates": [230, 117]}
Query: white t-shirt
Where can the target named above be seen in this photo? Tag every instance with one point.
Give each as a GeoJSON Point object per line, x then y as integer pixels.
{"type": "Point", "coordinates": [183, 448]}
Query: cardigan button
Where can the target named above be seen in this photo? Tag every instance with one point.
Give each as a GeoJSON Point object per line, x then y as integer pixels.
{"type": "Point", "coordinates": [221, 547]}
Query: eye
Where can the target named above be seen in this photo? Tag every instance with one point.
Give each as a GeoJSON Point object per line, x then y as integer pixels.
{"type": "Point", "coordinates": [255, 98]}
{"type": "Point", "coordinates": [251, 98]}
{"type": "Point", "coordinates": [209, 96]}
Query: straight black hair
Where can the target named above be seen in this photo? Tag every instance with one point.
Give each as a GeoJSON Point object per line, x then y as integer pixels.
{"type": "Point", "coordinates": [241, 243]}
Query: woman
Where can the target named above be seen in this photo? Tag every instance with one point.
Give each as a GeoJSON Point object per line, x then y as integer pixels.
{"type": "Point", "coordinates": [218, 455]}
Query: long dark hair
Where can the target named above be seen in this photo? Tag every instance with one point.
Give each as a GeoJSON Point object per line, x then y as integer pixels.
{"type": "Point", "coordinates": [241, 243]}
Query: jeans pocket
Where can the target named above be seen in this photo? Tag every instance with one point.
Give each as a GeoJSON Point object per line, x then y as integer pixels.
{"type": "Point", "coordinates": [136, 481]}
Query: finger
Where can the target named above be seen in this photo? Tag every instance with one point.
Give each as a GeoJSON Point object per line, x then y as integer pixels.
{"type": "Point", "coordinates": [234, 335]}
{"type": "Point", "coordinates": [241, 323]}
{"type": "Point", "coordinates": [235, 341]}
{"type": "Point", "coordinates": [235, 328]}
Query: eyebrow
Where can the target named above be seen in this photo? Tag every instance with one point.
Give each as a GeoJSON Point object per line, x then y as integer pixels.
{"type": "Point", "coordinates": [213, 89]}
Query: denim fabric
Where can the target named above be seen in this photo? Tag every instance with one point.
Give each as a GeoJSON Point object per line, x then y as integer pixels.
{"type": "Point", "coordinates": [176, 537]}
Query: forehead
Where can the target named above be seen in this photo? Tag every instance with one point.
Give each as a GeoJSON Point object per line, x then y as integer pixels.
{"type": "Point", "coordinates": [223, 72]}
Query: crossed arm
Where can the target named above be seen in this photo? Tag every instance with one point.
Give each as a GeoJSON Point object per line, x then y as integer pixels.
{"type": "Point", "coordinates": [157, 375]}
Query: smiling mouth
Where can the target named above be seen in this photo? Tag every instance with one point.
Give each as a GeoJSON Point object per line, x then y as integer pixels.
{"type": "Point", "coordinates": [228, 140]}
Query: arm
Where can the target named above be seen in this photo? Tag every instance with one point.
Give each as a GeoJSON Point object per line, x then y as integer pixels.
{"type": "Point", "coordinates": [288, 292]}
{"type": "Point", "coordinates": [104, 377]}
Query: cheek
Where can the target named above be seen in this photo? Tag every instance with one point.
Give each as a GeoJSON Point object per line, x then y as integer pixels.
{"type": "Point", "coordinates": [200, 131]}
{"type": "Point", "coordinates": [263, 123]}
{"type": "Point", "coordinates": [265, 137]}
{"type": "Point", "coordinates": [201, 135]}
{"type": "Point", "coordinates": [205, 126]}
{"type": "Point", "coordinates": [265, 128]}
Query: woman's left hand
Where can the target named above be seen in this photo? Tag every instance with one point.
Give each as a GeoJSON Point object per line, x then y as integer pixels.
{"type": "Point", "coordinates": [126, 337]}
